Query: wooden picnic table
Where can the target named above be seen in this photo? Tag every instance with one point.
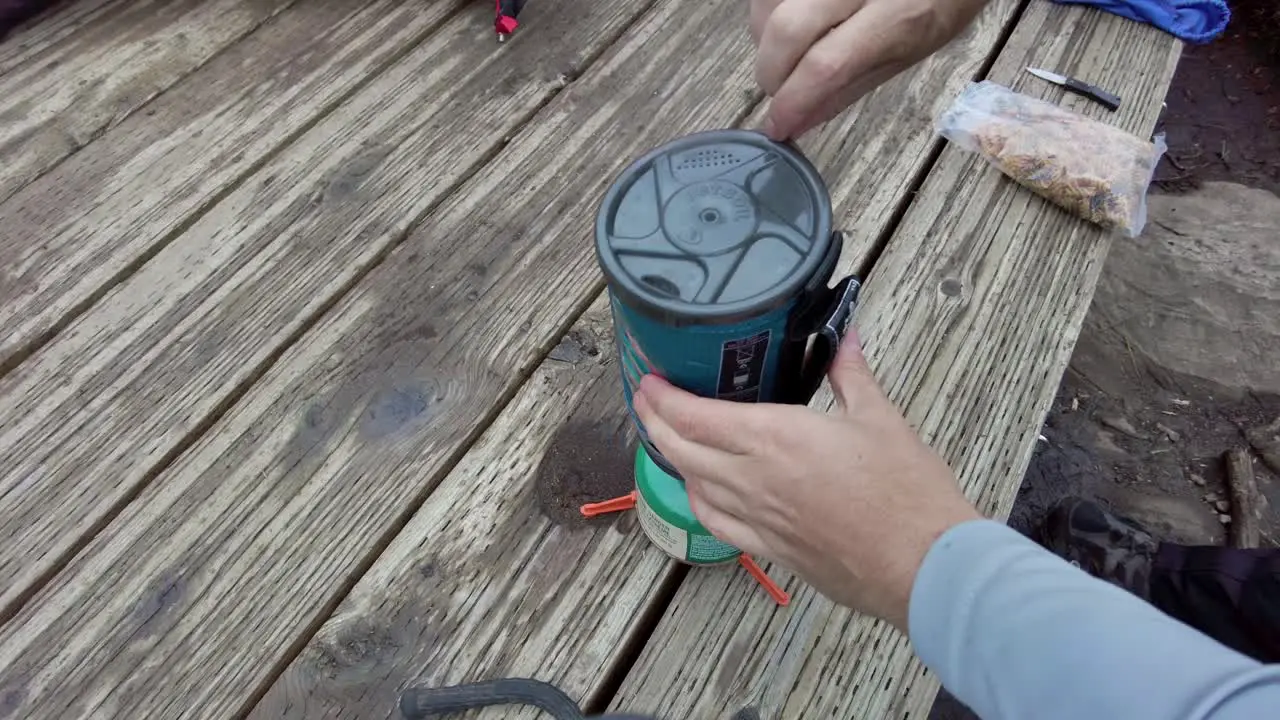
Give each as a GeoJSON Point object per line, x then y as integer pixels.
{"type": "Point", "coordinates": [304, 350]}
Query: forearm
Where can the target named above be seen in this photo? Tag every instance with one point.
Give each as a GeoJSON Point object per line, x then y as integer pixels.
{"type": "Point", "coordinates": [1015, 632]}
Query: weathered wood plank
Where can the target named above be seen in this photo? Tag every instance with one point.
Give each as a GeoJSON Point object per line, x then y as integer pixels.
{"type": "Point", "coordinates": [351, 384]}
{"type": "Point", "coordinates": [169, 324]}
{"type": "Point", "coordinates": [479, 622]}
{"type": "Point", "coordinates": [52, 26]}
{"type": "Point", "coordinates": [64, 95]}
{"type": "Point", "coordinates": [105, 210]}
{"type": "Point", "coordinates": [969, 320]}
{"type": "Point", "coordinates": [292, 493]}
{"type": "Point", "coordinates": [481, 583]}
{"type": "Point", "coordinates": [136, 378]}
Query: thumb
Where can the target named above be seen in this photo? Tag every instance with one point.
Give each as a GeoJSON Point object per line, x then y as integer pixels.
{"type": "Point", "coordinates": [850, 375]}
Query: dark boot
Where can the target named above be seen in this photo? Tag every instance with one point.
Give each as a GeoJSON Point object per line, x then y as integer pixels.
{"type": "Point", "coordinates": [1101, 544]}
{"type": "Point", "coordinates": [1231, 595]}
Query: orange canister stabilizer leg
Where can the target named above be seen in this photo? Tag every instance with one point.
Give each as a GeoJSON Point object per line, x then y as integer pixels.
{"type": "Point", "coordinates": [778, 594]}
{"type": "Point", "coordinates": [618, 504]}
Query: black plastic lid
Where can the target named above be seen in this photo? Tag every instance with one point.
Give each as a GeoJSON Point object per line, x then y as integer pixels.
{"type": "Point", "coordinates": [713, 227]}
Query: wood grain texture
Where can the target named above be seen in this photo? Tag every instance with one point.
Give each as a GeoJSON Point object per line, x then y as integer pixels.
{"type": "Point", "coordinates": [460, 629]}
{"type": "Point", "coordinates": [969, 319]}
{"type": "Point", "coordinates": [481, 584]}
{"type": "Point", "coordinates": [67, 93]}
{"type": "Point", "coordinates": [410, 321]}
{"type": "Point", "coordinates": [52, 26]}
{"type": "Point", "coordinates": [187, 603]}
{"type": "Point", "coordinates": [108, 208]}
{"type": "Point", "coordinates": [91, 418]}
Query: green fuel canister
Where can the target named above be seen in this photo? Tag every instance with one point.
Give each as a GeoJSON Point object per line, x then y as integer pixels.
{"type": "Point", "coordinates": [668, 520]}
{"type": "Point", "coordinates": [718, 249]}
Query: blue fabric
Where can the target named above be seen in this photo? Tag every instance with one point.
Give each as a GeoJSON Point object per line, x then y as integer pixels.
{"type": "Point", "coordinates": [1015, 632]}
{"type": "Point", "coordinates": [1195, 21]}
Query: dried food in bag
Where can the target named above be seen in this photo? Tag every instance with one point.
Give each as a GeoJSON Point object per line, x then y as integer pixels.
{"type": "Point", "coordinates": [1093, 170]}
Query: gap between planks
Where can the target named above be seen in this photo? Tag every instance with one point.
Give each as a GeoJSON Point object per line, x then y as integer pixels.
{"type": "Point", "coordinates": [190, 316]}
{"type": "Point", "coordinates": [105, 212]}
{"type": "Point", "coordinates": [295, 427]}
{"type": "Point", "coordinates": [48, 28]}
{"type": "Point", "coordinates": [59, 97]}
{"type": "Point", "coordinates": [292, 692]}
{"type": "Point", "coordinates": [592, 21]}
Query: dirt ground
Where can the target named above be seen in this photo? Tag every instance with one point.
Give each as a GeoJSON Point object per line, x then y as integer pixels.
{"type": "Point", "coordinates": [1223, 116]}
{"type": "Point", "coordinates": [1177, 358]}
{"type": "Point", "coordinates": [1176, 362]}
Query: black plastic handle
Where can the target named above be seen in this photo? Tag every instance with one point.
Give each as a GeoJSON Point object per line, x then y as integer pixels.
{"type": "Point", "coordinates": [835, 320]}
{"type": "Point", "coordinates": [1108, 100]}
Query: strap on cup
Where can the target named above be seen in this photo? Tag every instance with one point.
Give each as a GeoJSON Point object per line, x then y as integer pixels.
{"type": "Point", "coordinates": [823, 315]}
{"type": "Point", "coordinates": [826, 340]}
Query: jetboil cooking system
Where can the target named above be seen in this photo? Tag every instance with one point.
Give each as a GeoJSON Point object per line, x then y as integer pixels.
{"type": "Point", "coordinates": [718, 250]}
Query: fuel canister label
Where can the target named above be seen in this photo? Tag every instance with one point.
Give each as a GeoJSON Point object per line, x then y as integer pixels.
{"type": "Point", "coordinates": [706, 550]}
{"type": "Point", "coordinates": [742, 368]}
{"type": "Point", "coordinates": [669, 538]}
{"type": "Point", "coordinates": [690, 547]}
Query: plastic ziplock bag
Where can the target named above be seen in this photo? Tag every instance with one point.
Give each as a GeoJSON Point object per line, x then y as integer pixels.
{"type": "Point", "coordinates": [1089, 168]}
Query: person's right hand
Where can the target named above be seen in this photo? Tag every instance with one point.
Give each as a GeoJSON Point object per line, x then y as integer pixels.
{"type": "Point", "coordinates": [817, 57]}
{"type": "Point", "coordinates": [850, 500]}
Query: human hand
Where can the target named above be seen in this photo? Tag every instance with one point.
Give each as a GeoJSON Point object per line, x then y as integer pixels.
{"type": "Point", "coordinates": [851, 500]}
{"type": "Point", "coordinates": [817, 57]}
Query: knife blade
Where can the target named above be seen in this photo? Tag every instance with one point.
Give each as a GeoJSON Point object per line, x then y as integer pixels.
{"type": "Point", "coordinates": [1108, 100]}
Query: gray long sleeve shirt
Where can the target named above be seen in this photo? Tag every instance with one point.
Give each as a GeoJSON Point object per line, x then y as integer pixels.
{"type": "Point", "coordinates": [1017, 633]}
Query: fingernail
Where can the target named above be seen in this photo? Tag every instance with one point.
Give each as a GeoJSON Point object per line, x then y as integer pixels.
{"type": "Point", "coordinates": [769, 127]}
{"type": "Point", "coordinates": [640, 404]}
{"type": "Point", "coordinates": [645, 382]}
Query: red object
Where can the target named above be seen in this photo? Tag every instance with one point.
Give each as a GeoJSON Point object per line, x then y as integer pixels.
{"type": "Point", "coordinates": [618, 504]}
{"type": "Point", "coordinates": [628, 502]}
{"type": "Point", "coordinates": [503, 23]}
{"type": "Point", "coordinates": [777, 593]}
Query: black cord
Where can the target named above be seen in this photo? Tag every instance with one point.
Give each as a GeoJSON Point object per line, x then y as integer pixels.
{"type": "Point", "coordinates": [419, 703]}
